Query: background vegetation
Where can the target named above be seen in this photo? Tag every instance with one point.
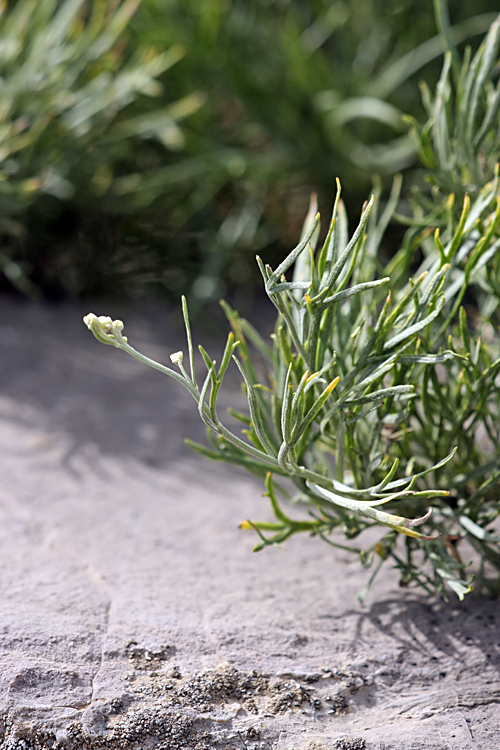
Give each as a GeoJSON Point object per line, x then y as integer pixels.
{"type": "Point", "coordinates": [143, 144]}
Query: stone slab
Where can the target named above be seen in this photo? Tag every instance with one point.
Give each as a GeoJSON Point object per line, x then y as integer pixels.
{"type": "Point", "coordinates": [133, 613]}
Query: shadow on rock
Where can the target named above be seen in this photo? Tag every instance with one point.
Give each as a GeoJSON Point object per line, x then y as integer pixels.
{"type": "Point", "coordinates": [439, 631]}
{"type": "Point", "coordinates": [59, 381]}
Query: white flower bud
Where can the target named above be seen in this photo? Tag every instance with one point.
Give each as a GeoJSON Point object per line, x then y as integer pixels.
{"type": "Point", "coordinates": [177, 358]}
{"type": "Point", "coordinates": [105, 330]}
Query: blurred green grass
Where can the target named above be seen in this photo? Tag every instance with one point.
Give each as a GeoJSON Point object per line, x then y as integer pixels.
{"type": "Point", "coordinates": [143, 145]}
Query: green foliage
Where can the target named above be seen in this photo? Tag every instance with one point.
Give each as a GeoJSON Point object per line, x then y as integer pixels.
{"type": "Point", "coordinates": [459, 143]}
{"type": "Point", "coordinates": [73, 98]}
{"type": "Point", "coordinates": [78, 112]}
{"type": "Point", "coordinates": [335, 69]}
{"type": "Point", "coordinates": [378, 389]}
{"type": "Point", "coordinates": [98, 166]}
{"type": "Point", "coordinates": [297, 94]}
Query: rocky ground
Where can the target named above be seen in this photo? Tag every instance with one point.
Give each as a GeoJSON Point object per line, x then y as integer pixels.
{"type": "Point", "coordinates": [133, 613]}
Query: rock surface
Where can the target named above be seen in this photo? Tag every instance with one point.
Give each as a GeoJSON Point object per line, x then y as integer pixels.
{"type": "Point", "coordinates": [133, 612]}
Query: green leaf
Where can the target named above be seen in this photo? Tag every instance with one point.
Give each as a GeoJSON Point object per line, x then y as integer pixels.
{"type": "Point", "coordinates": [416, 327]}
{"type": "Point", "coordinates": [461, 588]}
{"type": "Point", "coordinates": [256, 417]}
{"type": "Point", "coordinates": [396, 523]}
{"type": "Point", "coordinates": [478, 531]}
{"type": "Point", "coordinates": [290, 259]}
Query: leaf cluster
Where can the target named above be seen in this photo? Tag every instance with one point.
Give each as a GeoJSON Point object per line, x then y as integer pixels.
{"type": "Point", "coordinates": [386, 397]}
{"type": "Point", "coordinates": [460, 140]}
{"type": "Point", "coordinates": [366, 399]}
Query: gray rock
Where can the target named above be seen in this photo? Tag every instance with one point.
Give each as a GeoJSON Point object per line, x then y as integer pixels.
{"type": "Point", "coordinates": [133, 612]}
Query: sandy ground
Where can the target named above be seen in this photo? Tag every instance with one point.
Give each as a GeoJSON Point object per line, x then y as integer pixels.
{"type": "Point", "coordinates": [133, 612]}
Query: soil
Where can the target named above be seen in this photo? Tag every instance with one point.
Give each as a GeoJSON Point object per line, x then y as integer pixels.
{"type": "Point", "coordinates": [134, 614]}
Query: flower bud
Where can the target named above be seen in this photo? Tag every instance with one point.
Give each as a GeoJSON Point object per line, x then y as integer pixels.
{"type": "Point", "coordinates": [177, 358]}
{"type": "Point", "coordinates": [106, 330]}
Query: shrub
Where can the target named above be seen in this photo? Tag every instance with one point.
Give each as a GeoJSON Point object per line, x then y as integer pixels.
{"type": "Point", "coordinates": [370, 397]}
{"type": "Point", "coordinates": [381, 383]}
